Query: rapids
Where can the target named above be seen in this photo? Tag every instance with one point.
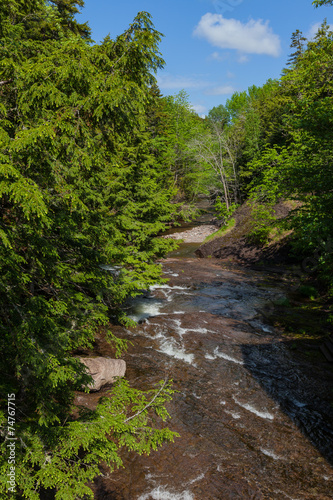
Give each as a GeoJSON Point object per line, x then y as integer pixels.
{"type": "Point", "coordinates": [254, 423]}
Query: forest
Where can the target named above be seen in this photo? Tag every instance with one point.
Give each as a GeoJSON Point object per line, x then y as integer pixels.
{"type": "Point", "coordinates": [95, 164]}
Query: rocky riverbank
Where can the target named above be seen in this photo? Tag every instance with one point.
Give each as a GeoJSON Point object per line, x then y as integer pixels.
{"type": "Point", "coordinates": [195, 235]}
{"type": "Point", "coordinates": [235, 246]}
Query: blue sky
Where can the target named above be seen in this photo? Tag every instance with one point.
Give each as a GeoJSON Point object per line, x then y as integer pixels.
{"type": "Point", "coordinates": [213, 47]}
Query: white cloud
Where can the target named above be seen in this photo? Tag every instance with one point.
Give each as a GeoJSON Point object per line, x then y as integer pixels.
{"type": "Point", "coordinates": [222, 90]}
{"type": "Point", "coordinates": [200, 109]}
{"type": "Point", "coordinates": [254, 37]}
{"type": "Point", "coordinates": [243, 59]}
{"type": "Point", "coordinates": [230, 74]}
{"type": "Point", "coordinates": [314, 29]}
{"type": "Point", "coordinates": [171, 82]}
{"type": "Point", "coordinates": [216, 56]}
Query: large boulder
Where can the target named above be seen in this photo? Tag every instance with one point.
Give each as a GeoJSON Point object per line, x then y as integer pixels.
{"type": "Point", "coordinates": [103, 371]}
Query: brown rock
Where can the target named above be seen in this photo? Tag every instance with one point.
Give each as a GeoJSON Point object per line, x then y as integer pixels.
{"type": "Point", "coordinates": [103, 371]}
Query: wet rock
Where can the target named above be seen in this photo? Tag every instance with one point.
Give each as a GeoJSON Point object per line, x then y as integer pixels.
{"type": "Point", "coordinates": [103, 370]}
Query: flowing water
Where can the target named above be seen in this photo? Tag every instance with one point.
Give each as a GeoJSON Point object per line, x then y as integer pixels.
{"type": "Point", "coordinates": [254, 423]}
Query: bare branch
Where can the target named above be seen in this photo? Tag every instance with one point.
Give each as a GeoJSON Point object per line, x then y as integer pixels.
{"type": "Point", "coordinates": [148, 404]}
{"type": "Point", "coordinates": [5, 82]}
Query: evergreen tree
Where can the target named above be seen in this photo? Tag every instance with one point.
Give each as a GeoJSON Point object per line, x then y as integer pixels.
{"type": "Point", "coordinates": [318, 3]}
{"type": "Point", "coordinates": [297, 43]}
{"type": "Point", "coordinates": [80, 188]}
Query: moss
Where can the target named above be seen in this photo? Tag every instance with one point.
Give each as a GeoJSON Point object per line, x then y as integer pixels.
{"type": "Point", "coordinates": [282, 302]}
{"type": "Point", "coordinates": [225, 229]}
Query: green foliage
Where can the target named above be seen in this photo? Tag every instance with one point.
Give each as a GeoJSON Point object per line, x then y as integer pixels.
{"type": "Point", "coordinates": [305, 163]}
{"type": "Point", "coordinates": [236, 105]}
{"type": "Point", "coordinates": [66, 457]}
{"type": "Point", "coordinates": [81, 187]}
{"type": "Point", "coordinates": [222, 209]}
{"type": "Point", "coordinates": [219, 114]}
{"type": "Point", "coordinates": [183, 126]}
{"type": "Point", "coordinates": [318, 3]}
{"type": "Point", "coordinates": [215, 151]}
{"type": "Point", "coordinates": [297, 43]}
{"type": "Point", "coordinates": [308, 291]}
{"type": "Point", "coordinates": [263, 221]}
{"type": "Point", "coordinates": [295, 157]}
{"type": "Point", "coordinates": [91, 160]}
{"type": "Point", "coordinates": [42, 20]}
{"type": "Point", "coordinates": [225, 228]}
{"type": "Point", "coordinates": [275, 142]}
{"type": "Point", "coordinates": [242, 128]}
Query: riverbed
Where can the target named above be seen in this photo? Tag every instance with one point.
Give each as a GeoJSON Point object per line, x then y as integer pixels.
{"type": "Point", "coordinates": [254, 423]}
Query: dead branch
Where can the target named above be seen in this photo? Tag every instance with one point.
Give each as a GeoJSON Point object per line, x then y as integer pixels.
{"type": "Point", "coordinates": [5, 82]}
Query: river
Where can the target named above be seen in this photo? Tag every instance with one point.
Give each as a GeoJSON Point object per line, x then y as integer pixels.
{"type": "Point", "coordinates": [254, 422]}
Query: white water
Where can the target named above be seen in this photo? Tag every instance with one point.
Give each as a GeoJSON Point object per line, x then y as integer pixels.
{"type": "Point", "coordinates": [182, 331]}
{"type": "Point", "coordinates": [171, 348]}
{"type": "Point", "coordinates": [270, 453]}
{"type": "Point", "coordinates": [197, 479]}
{"type": "Point", "coordinates": [144, 307]}
{"type": "Point", "coordinates": [234, 415]}
{"type": "Point", "coordinates": [165, 286]}
{"type": "Point", "coordinates": [261, 414]}
{"type": "Point", "coordinates": [169, 345]}
{"type": "Point", "coordinates": [161, 493]}
{"type": "Point", "coordinates": [217, 354]}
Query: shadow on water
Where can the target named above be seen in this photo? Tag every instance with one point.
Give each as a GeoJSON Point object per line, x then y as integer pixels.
{"type": "Point", "coordinates": [289, 383]}
{"type": "Point", "coordinates": [184, 250]}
